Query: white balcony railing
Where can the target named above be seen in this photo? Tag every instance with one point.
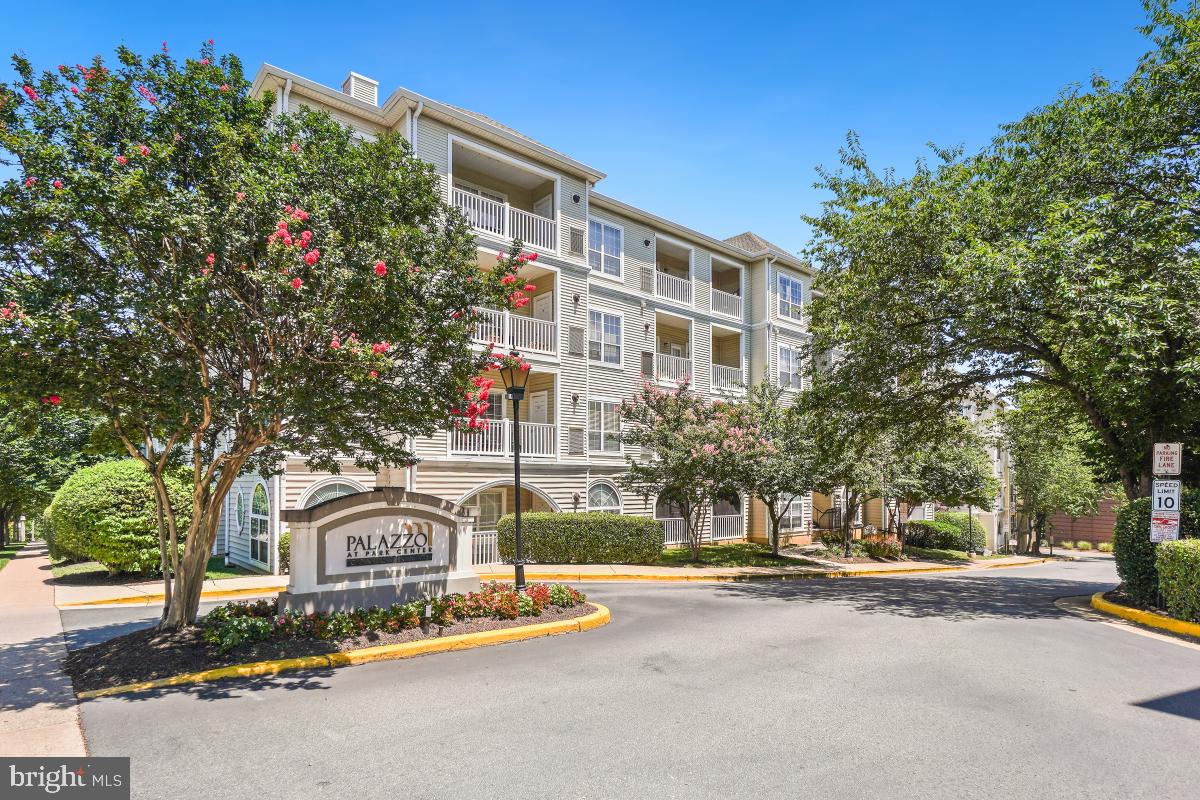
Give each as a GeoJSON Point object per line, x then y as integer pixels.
{"type": "Point", "coordinates": [485, 547]}
{"type": "Point", "coordinates": [674, 531]}
{"type": "Point", "coordinates": [673, 287]}
{"type": "Point", "coordinates": [495, 439]}
{"type": "Point", "coordinates": [724, 377]}
{"type": "Point", "coordinates": [726, 527]}
{"type": "Point", "coordinates": [671, 368]}
{"type": "Point", "coordinates": [725, 303]}
{"type": "Point", "coordinates": [503, 220]}
{"type": "Point", "coordinates": [508, 330]}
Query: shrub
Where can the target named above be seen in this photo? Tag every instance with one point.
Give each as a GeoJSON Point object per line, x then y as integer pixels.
{"type": "Point", "coordinates": [1083, 545]}
{"type": "Point", "coordinates": [1178, 565]}
{"type": "Point", "coordinates": [594, 537]}
{"type": "Point", "coordinates": [1065, 544]}
{"type": "Point", "coordinates": [1105, 547]}
{"type": "Point", "coordinates": [934, 534]}
{"type": "Point", "coordinates": [106, 513]}
{"type": "Point", "coordinates": [882, 548]}
{"type": "Point", "coordinates": [1135, 553]}
{"type": "Point", "coordinates": [971, 535]}
{"type": "Point", "coordinates": [285, 552]}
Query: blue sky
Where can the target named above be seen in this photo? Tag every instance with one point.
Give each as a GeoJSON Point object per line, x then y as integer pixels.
{"type": "Point", "coordinates": [712, 115]}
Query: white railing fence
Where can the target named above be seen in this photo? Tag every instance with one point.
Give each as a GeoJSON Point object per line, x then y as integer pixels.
{"type": "Point", "coordinates": [505, 329]}
{"type": "Point", "coordinates": [485, 547]}
{"type": "Point", "coordinates": [725, 303]}
{"type": "Point", "coordinates": [537, 439]}
{"type": "Point", "coordinates": [504, 220]}
{"type": "Point", "coordinates": [673, 287]}
{"type": "Point", "coordinates": [724, 377]}
{"type": "Point", "coordinates": [674, 531]}
{"type": "Point", "coordinates": [671, 368]}
{"type": "Point", "coordinates": [726, 527]}
{"type": "Point", "coordinates": [495, 438]}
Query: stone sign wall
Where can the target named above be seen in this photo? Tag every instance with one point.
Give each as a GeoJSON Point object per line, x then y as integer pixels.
{"type": "Point", "coordinates": [379, 547]}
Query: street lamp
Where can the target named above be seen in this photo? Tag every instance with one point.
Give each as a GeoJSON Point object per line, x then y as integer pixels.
{"type": "Point", "coordinates": [515, 373]}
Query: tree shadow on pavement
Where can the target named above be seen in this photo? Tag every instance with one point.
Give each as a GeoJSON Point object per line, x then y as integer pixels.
{"type": "Point", "coordinates": [1181, 704]}
{"type": "Point", "coordinates": [952, 598]}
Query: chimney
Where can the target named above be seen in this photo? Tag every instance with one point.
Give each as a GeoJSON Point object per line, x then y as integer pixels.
{"type": "Point", "coordinates": [360, 87]}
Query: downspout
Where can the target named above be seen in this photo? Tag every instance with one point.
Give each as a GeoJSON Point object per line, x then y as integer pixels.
{"type": "Point", "coordinates": [285, 96]}
{"type": "Point", "coordinates": [412, 124]}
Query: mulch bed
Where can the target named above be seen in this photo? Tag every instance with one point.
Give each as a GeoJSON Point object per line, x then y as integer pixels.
{"type": "Point", "coordinates": [837, 559]}
{"type": "Point", "coordinates": [148, 655]}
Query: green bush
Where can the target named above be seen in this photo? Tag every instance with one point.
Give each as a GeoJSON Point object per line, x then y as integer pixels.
{"type": "Point", "coordinates": [970, 530]}
{"type": "Point", "coordinates": [1105, 547]}
{"type": "Point", "coordinates": [1135, 553]}
{"type": "Point", "coordinates": [882, 548]}
{"type": "Point", "coordinates": [1178, 565]}
{"type": "Point", "coordinates": [594, 537]}
{"type": "Point", "coordinates": [1083, 545]}
{"type": "Point", "coordinates": [1065, 544]}
{"type": "Point", "coordinates": [933, 534]}
{"type": "Point", "coordinates": [106, 513]}
{"type": "Point", "coordinates": [285, 552]}
{"type": "Point", "coordinates": [53, 544]}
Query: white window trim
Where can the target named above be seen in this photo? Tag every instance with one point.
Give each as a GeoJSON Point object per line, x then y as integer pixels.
{"type": "Point", "coordinates": [620, 445]}
{"type": "Point", "coordinates": [620, 502]}
{"type": "Point", "coordinates": [470, 184]}
{"type": "Point", "coordinates": [588, 248]}
{"type": "Point", "coordinates": [781, 275]}
{"type": "Point", "coordinates": [799, 376]}
{"type": "Point", "coordinates": [620, 362]}
{"type": "Point", "coordinates": [250, 525]}
{"type": "Point", "coordinates": [321, 484]}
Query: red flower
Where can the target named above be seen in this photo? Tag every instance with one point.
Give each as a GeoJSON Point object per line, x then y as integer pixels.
{"type": "Point", "coordinates": [74, 90]}
{"type": "Point", "coordinates": [380, 268]}
{"type": "Point", "coordinates": [224, 87]}
{"type": "Point", "coordinates": [58, 184]}
{"type": "Point", "coordinates": [531, 287]}
{"type": "Point", "coordinates": [30, 182]}
{"type": "Point", "coordinates": [311, 257]}
{"type": "Point", "coordinates": [297, 283]}
{"type": "Point", "coordinates": [335, 343]}
{"type": "Point", "coordinates": [508, 280]}
{"type": "Point", "coordinates": [122, 160]}
{"type": "Point", "coordinates": [143, 149]}
{"type": "Point", "coordinates": [210, 259]}
{"type": "Point", "coordinates": [31, 94]}
{"type": "Point", "coordinates": [295, 148]}
{"type": "Point", "coordinates": [240, 196]}
{"type": "Point", "coordinates": [532, 256]}
{"type": "Point", "coordinates": [204, 62]}
{"type": "Point", "coordinates": [204, 271]}
{"type": "Point", "coordinates": [6, 313]}
{"type": "Point", "coordinates": [210, 41]}
{"type": "Point", "coordinates": [373, 374]}
{"type": "Point", "coordinates": [54, 399]}
{"type": "Point", "coordinates": [164, 47]}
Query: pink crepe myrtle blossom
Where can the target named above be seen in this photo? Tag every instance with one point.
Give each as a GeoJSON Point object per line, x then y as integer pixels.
{"type": "Point", "coordinates": [58, 184]}
{"type": "Point", "coordinates": [311, 257]}
{"type": "Point", "coordinates": [240, 196]}
{"type": "Point", "coordinates": [204, 271]}
{"type": "Point", "coordinates": [380, 268]}
{"type": "Point", "coordinates": [294, 147]}
{"type": "Point", "coordinates": [122, 160]}
{"type": "Point", "coordinates": [335, 343]}
{"type": "Point", "coordinates": [297, 283]}
{"type": "Point", "coordinates": [374, 373]}
{"type": "Point", "coordinates": [143, 149]}
{"type": "Point", "coordinates": [508, 280]}
{"type": "Point", "coordinates": [30, 182]}
{"type": "Point", "coordinates": [210, 259]}
{"type": "Point", "coordinates": [75, 90]}
{"type": "Point", "coordinates": [532, 257]}
{"type": "Point", "coordinates": [31, 94]}
{"type": "Point", "coordinates": [224, 87]}
{"type": "Point", "coordinates": [530, 287]}
{"type": "Point", "coordinates": [204, 62]}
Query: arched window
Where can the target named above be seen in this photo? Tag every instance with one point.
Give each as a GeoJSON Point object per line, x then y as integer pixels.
{"type": "Point", "coordinates": [239, 513]}
{"type": "Point", "coordinates": [604, 497]}
{"type": "Point", "coordinates": [329, 491]}
{"type": "Point", "coordinates": [260, 517]}
{"type": "Point", "coordinates": [729, 505]}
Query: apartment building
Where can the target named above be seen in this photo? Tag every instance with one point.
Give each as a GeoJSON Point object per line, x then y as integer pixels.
{"type": "Point", "coordinates": [622, 295]}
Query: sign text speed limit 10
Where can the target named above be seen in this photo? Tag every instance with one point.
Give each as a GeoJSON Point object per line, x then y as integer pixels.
{"type": "Point", "coordinates": [1166, 496]}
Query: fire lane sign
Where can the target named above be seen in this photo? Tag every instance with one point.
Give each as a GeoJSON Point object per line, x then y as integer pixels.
{"type": "Point", "coordinates": [1165, 496]}
{"type": "Point", "coordinates": [1168, 458]}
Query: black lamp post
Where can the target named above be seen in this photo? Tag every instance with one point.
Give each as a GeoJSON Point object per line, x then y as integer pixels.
{"type": "Point", "coordinates": [515, 373]}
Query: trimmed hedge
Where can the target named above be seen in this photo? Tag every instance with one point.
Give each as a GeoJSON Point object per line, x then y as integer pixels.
{"type": "Point", "coordinates": [593, 537]}
{"type": "Point", "coordinates": [106, 513]}
{"type": "Point", "coordinates": [285, 552]}
{"type": "Point", "coordinates": [1135, 553]}
{"type": "Point", "coordinates": [971, 535]}
{"type": "Point", "coordinates": [1178, 565]}
{"type": "Point", "coordinates": [934, 534]}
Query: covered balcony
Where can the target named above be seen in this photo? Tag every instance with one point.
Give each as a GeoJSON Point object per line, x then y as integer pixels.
{"type": "Point", "coordinates": [728, 370]}
{"type": "Point", "coordinates": [726, 298]}
{"type": "Point", "coordinates": [531, 329]}
{"type": "Point", "coordinates": [500, 196]}
{"type": "Point", "coordinates": [539, 434]}
{"type": "Point", "coordinates": [673, 348]}
{"type": "Point", "coordinates": [673, 271]}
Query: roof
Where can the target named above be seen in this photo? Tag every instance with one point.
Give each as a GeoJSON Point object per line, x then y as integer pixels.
{"type": "Point", "coordinates": [753, 243]}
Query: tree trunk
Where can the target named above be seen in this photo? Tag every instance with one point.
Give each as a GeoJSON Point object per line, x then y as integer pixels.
{"type": "Point", "coordinates": [1039, 528]}
{"type": "Point", "coordinates": [189, 581]}
{"type": "Point", "coordinates": [4, 527]}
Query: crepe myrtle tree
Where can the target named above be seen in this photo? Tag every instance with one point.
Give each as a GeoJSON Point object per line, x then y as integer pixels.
{"type": "Point", "coordinates": [692, 457]}
{"type": "Point", "coordinates": [226, 287]}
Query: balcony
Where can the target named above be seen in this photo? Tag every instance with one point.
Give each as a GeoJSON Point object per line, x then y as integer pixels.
{"type": "Point", "coordinates": [728, 370]}
{"type": "Point", "coordinates": [673, 287]}
{"type": "Point", "coordinates": [726, 526]}
{"type": "Point", "coordinates": [495, 439]}
{"type": "Point", "coordinates": [511, 331]}
{"type": "Point", "coordinates": [728, 378]}
{"type": "Point", "coordinates": [726, 304]}
{"type": "Point", "coordinates": [672, 270]}
{"type": "Point", "coordinates": [671, 369]}
{"type": "Point", "coordinates": [501, 219]}
{"type": "Point", "coordinates": [726, 296]}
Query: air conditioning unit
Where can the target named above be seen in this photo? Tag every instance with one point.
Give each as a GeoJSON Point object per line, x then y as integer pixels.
{"type": "Point", "coordinates": [360, 87]}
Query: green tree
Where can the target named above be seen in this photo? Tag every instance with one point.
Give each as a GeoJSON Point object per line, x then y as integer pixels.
{"type": "Point", "coordinates": [687, 462]}
{"type": "Point", "coordinates": [952, 468]}
{"type": "Point", "coordinates": [225, 286]}
{"type": "Point", "coordinates": [1050, 469]}
{"type": "Point", "coordinates": [777, 455]}
{"type": "Point", "coordinates": [1063, 254]}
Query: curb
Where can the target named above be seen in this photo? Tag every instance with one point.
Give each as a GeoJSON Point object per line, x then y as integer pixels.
{"type": "Point", "coordinates": [384, 652]}
{"type": "Point", "coordinates": [576, 577]}
{"type": "Point", "coordinates": [1147, 618]}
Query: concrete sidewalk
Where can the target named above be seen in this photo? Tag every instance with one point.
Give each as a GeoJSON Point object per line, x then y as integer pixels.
{"type": "Point", "coordinates": [38, 713]}
{"type": "Point", "coordinates": [150, 593]}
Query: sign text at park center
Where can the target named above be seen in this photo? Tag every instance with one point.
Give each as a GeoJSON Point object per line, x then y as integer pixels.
{"type": "Point", "coordinates": [1168, 458]}
{"type": "Point", "coordinates": [1165, 496]}
{"type": "Point", "coordinates": [1164, 526]}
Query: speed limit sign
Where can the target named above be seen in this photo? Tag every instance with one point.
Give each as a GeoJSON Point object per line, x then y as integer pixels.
{"type": "Point", "coordinates": [1166, 496]}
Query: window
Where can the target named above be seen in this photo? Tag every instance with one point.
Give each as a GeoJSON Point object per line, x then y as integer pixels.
{"type": "Point", "coordinates": [489, 508]}
{"type": "Point", "coordinates": [239, 514]}
{"type": "Point", "coordinates": [793, 514]}
{"type": "Point", "coordinates": [330, 491]}
{"type": "Point", "coordinates": [260, 536]}
{"type": "Point", "coordinates": [791, 297]}
{"type": "Point", "coordinates": [495, 410]}
{"type": "Point", "coordinates": [729, 505]}
{"type": "Point", "coordinates": [790, 369]}
{"type": "Point", "coordinates": [604, 248]}
{"type": "Point", "coordinates": [604, 337]}
{"type": "Point", "coordinates": [604, 426]}
{"type": "Point", "coordinates": [604, 497]}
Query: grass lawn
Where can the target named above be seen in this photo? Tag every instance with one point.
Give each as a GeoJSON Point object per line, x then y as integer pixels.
{"type": "Point", "coordinates": [930, 554]}
{"type": "Point", "coordinates": [740, 554]}
{"type": "Point", "coordinates": [8, 551]}
{"type": "Point", "coordinates": [92, 573]}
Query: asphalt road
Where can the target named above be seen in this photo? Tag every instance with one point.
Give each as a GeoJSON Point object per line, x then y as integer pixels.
{"type": "Point", "coordinates": [955, 686]}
